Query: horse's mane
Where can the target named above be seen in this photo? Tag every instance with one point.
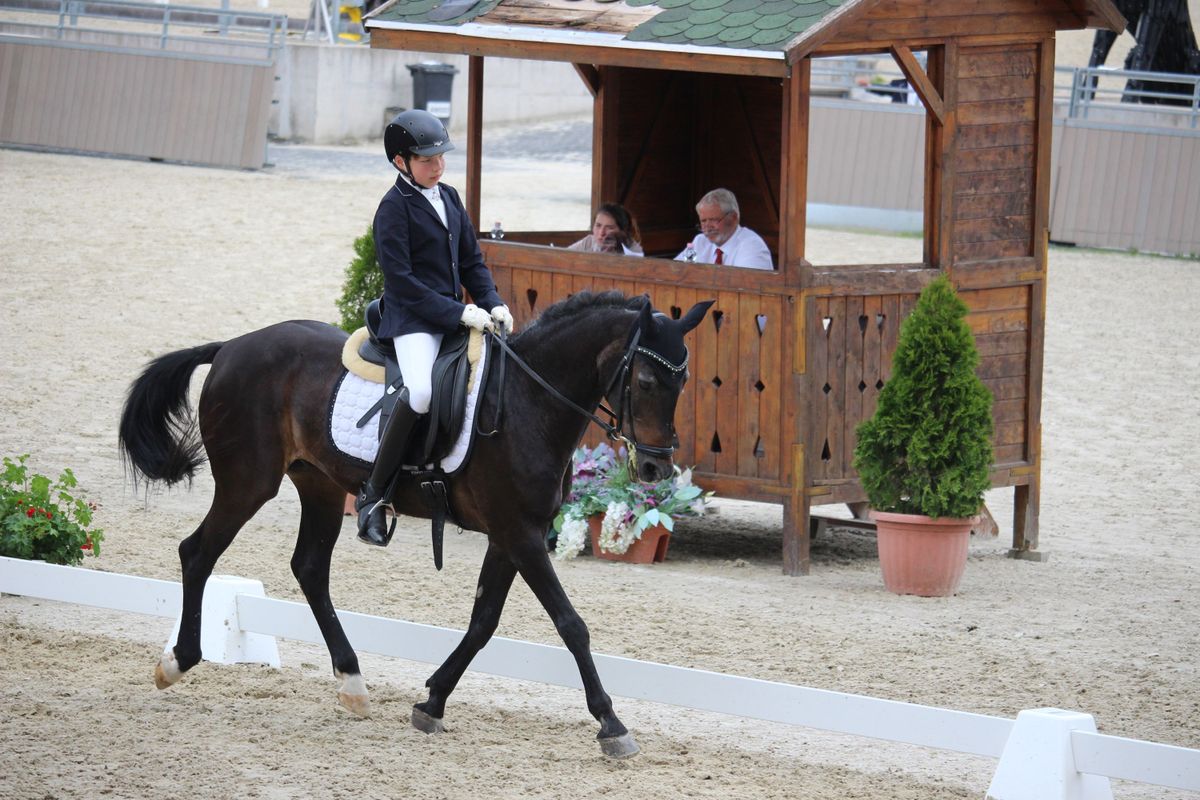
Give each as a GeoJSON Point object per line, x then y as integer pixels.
{"type": "Point", "coordinates": [577, 304]}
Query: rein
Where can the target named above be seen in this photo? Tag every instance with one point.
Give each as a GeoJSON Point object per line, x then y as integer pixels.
{"type": "Point", "coordinates": [622, 375]}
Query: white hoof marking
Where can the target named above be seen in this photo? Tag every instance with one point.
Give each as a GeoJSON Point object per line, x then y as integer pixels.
{"type": "Point", "coordinates": [352, 694]}
{"type": "Point", "coordinates": [167, 671]}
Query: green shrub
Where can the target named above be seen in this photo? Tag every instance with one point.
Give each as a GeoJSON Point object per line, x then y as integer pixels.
{"type": "Point", "coordinates": [364, 282]}
{"type": "Point", "coordinates": [42, 520]}
{"type": "Point", "coordinates": [928, 448]}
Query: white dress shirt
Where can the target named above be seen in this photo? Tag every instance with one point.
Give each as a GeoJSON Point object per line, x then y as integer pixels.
{"type": "Point", "coordinates": [744, 248]}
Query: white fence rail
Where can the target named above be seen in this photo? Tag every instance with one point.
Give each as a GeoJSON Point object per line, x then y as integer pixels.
{"type": "Point", "coordinates": [1089, 758]}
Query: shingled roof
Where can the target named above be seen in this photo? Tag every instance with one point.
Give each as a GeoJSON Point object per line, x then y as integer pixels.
{"type": "Point", "coordinates": [761, 31]}
{"type": "Point", "coordinates": [731, 24]}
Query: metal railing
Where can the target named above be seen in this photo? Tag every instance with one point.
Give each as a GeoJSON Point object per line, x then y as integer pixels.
{"type": "Point", "coordinates": [250, 34]}
{"type": "Point", "coordinates": [1155, 99]}
{"type": "Point", "coordinates": [1099, 94]}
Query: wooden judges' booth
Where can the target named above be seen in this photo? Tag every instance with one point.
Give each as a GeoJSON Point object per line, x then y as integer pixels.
{"type": "Point", "coordinates": [695, 94]}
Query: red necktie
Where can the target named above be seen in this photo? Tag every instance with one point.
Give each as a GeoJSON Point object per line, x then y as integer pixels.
{"type": "Point", "coordinates": [720, 257]}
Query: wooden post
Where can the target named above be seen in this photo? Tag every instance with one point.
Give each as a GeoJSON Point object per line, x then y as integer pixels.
{"type": "Point", "coordinates": [944, 247]}
{"type": "Point", "coordinates": [604, 138]}
{"type": "Point", "coordinates": [794, 168]}
{"type": "Point", "coordinates": [474, 137]}
{"type": "Point", "coordinates": [792, 231]}
{"type": "Point", "coordinates": [796, 508]}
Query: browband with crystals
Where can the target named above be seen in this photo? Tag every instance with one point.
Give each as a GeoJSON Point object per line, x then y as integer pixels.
{"type": "Point", "coordinates": [676, 369]}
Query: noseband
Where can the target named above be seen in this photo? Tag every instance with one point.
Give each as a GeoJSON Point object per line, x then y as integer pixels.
{"type": "Point", "coordinates": [623, 377]}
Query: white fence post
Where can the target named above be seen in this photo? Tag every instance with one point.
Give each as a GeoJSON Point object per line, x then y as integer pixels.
{"type": "Point", "coordinates": [1038, 762]}
{"type": "Point", "coordinates": [222, 639]}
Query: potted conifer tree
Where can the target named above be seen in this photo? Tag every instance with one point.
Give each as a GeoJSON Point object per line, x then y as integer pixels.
{"type": "Point", "coordinates": [924, 456]}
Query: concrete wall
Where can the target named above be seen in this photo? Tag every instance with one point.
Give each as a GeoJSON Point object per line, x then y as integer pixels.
{"type": "Point", "coordinates": [335, 94]}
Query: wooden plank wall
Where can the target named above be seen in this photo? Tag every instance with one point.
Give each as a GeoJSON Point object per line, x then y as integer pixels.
{"type": "Point", "coordinates": [168, 107]}
{"type": "Point", "coordinates": [730, 417]}
{"type": "Point", "coordinates": [850, 341]}
{"type": "Point", "coordinates": [995, 159]}
{"type": "Point", "coordinates": [702, 132]}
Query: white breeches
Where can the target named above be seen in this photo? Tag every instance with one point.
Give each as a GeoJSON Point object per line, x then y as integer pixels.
{"type": "Point", "coordinates": [415, 353]}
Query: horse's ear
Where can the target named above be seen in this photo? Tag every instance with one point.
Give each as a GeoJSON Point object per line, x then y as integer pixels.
{"type": "Point", "coordinates": [694, 316]}
{"type": "Point", "coordinates": [646, 320]}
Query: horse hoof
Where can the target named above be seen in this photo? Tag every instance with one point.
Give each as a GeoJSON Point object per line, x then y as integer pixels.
{"type": "Point", "coordinates": [623, 746]}
{"type": "Point", "coordinates": [166, 671]}
{"type": "Point", "coordinates": [352, 694]}
{"type": "Point", "coordinates": [425, 723]}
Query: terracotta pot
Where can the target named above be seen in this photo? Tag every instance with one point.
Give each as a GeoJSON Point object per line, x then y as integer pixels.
{"type": "Point", "coordinates": [650, 547]}
{"type": "Point", "coordinates": [921, 555]}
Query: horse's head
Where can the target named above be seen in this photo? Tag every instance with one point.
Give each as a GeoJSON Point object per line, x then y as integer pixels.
{"type": "Point", "coordinates": [657, 373]}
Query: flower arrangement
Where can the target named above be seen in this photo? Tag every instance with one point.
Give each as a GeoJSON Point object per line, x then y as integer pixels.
{"type": "Point", "coordinates": [601, 484]}
{"type": "Point", "coordinates": [41, 519]}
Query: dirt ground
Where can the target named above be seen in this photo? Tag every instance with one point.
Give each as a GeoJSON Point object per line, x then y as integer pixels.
{"type": "Point", "coordinates": [106, 263]}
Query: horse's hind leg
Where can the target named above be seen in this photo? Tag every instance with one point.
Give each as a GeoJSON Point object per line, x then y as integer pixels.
{"type": "Point", "coordinates": [534, 565]}
{"type": "Point", "coordinates": [495, 579]}
{"type": "Point", "coordinates": [322, 502]}
{"type": "Point", "coordinates": [198, 554]}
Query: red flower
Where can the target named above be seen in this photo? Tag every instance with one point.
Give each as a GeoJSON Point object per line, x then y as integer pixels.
{"type": "Point", "coordinates": [49, 515]}
{"type": "Point", "coordinates": [86, 545]}
{"type": "Point", "coordinates": [29, 512]}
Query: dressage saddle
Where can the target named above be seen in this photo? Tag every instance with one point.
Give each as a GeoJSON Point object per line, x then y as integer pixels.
{"type": "Point", "coordinates": [439, 429]}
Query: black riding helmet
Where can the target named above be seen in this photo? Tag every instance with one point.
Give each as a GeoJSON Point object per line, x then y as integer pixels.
{"type": "Point", "coordinates": [415, 133]}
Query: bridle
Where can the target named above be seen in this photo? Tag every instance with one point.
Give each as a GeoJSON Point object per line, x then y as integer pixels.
{"type": "Point", "coordinates": [622, 376]}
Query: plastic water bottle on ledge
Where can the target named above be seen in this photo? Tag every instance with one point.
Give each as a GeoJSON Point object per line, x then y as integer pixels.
{"type": "Point", "coordinates": [689, 254]}
{"type": "Point", "coordinates": [497, 231]}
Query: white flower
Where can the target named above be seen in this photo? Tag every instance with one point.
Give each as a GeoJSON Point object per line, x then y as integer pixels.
{"type": "Point", "coordinates": [615, 537]}
{"type": "Point", "coordinates": [571, 538]}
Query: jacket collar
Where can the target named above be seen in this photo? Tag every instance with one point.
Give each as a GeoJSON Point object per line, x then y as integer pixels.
{"type": "Point", "coordinates": [410, 191]}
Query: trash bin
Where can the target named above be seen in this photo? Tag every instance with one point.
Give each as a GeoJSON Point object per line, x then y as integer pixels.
{"type": "Point", "coordinates": [432, 81]}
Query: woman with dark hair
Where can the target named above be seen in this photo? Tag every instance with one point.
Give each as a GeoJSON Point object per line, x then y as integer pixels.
{"type": "Point", "coordinates": [614, 231]}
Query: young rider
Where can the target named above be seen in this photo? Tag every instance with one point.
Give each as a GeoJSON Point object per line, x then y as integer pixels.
{"type": "Point", "coordinates": [426, 247]}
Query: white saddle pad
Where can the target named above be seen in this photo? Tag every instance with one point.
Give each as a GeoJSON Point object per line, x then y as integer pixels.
{"type": "Point", "coordinates": [354, 396]}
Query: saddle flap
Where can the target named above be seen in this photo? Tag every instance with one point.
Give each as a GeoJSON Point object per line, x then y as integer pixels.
{"type": "Point", "coordinates": [449, 382]}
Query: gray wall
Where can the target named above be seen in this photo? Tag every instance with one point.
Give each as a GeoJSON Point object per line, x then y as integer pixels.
{"type": "Point", "coordinates": [339, 94]}
{"type": "Point", "coordinates": [177, 107]}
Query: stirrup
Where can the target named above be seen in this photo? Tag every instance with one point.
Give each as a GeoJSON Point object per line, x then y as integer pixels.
{"type": "Point", "coordinates": [380, 506]}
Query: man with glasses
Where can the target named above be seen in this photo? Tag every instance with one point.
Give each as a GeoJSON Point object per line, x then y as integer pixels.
{"type": "Point", "coordinates": [721, 239]}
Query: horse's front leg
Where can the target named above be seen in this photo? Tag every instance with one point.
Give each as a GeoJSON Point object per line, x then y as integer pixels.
{"type": "Point", "coordinates": [534, 565]}
{"type": "Point", "coordinates": [495, 579]}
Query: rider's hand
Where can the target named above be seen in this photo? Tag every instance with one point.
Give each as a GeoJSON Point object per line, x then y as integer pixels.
{"type": "Point", "coordinates": [475, 317]}
{"type": "Point", "coordinates": [503, 318]}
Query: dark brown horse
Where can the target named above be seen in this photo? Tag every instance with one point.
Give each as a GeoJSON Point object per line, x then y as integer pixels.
{"type": "Point", "coordinates": [263, 413]}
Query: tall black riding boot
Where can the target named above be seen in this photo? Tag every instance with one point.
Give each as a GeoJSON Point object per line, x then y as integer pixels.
{"type": "Point", "coordinates": [372, 521]}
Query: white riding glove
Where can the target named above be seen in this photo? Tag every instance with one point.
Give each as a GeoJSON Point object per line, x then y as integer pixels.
{"type": "Point", "coordinates": [503, 318]}
{"type": "Point", "coordinates": [475, 317]}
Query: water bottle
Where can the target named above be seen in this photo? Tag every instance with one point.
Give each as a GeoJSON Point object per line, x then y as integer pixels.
{"type": "Point", "coordinates": [497, 231]}
{"type": "Point", "coordinates": [689, 254]}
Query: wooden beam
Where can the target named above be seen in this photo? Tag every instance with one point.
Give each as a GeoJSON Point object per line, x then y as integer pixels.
{"type": "Point", "coordinates": [590, 76]}
{"type": "Point", "coordinates": [919, 81]}
{"type": "Point", "coordinates": [463, 44]}
{"type": "Point", "coordinates": [1103, 12]}
{"type": "Point", "coordinates": [474, 137]}
{"type": "Point", "coordinates": [948, 156]}
{"type": "Point", "coordinates": [605, 123]}
{"type": "Point", "coordinates": [794, 168]}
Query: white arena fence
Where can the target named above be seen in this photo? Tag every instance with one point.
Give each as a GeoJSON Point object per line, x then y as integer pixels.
{"type": "Point", "coordinates": [1044, 754]}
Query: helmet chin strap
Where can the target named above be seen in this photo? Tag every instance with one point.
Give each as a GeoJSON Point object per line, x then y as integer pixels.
{"type": "Point", "coordinates": [407, 172]}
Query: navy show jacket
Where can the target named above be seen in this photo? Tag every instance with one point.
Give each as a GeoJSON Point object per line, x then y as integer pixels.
{"type": "Point", "coordinates": [419, 257]}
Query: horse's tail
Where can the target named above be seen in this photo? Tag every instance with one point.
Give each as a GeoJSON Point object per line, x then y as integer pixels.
{"type": "Point", "coordinates": [158, 435]}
